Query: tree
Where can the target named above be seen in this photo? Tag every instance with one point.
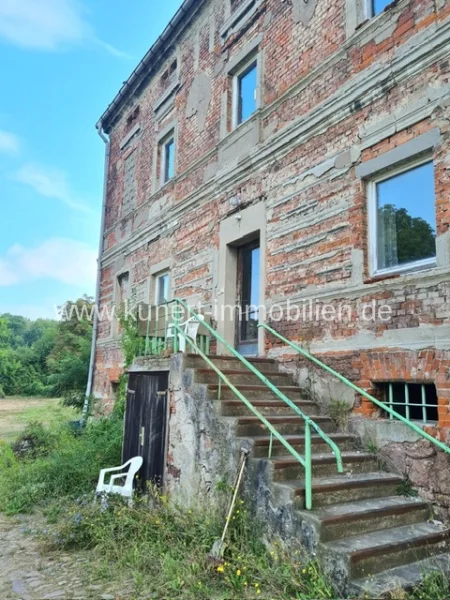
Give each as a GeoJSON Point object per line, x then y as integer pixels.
{"type": "Point", "coordinates": [46, 357]}
{"type": "Point", "coordinates": [69, 359]}
{"type": "Point", "coordinates": [415, 238]}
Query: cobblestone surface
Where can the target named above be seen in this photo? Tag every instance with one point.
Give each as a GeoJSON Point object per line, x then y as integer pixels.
{"type": "Point", "coordinates": [26, 573]}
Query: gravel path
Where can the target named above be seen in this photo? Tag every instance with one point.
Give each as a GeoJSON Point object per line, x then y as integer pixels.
{"type": "Point", "coordinates": [28, 574]}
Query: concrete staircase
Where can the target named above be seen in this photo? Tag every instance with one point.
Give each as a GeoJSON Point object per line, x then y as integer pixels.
{"type": "Point", "coordinates": [369, 538]}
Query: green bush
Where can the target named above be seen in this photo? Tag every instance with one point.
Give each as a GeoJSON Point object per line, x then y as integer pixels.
{"type": "Point", "coordinates": [2, 393]}
{"type": "Point", "coordinates": [69, 467]}
{"type": "Point", "coordinates": [34, 441]}
{"type": "Point", "coordinates": [165, 550]}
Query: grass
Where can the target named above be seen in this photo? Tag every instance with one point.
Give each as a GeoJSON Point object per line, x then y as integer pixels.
{"type": "Point", "coordinates": [164, 550]}
{"type": "Point", "coordinates": [58, 464]}
{"type": "Point", "coordinates": [155, 547]}
{"type": "Point", "coordinates": [16, 412]}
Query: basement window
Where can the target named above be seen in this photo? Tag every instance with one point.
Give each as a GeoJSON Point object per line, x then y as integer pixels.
{"type": "Point", "coordinates": [415, 401]}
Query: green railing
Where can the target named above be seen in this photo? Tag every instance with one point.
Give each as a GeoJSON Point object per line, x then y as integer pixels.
{"type": "Point", "coordinates": [156, 342]}
{"type": "Point", "coordinates": [306, 461]}
{"type": "Point", "coordinates": [359, 390]}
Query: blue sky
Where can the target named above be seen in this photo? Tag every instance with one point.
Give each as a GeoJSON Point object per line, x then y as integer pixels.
{"type": "Point", "coordinates": [62, 62]}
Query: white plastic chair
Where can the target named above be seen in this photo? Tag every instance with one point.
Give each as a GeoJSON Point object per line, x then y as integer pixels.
{"type": "Point", "coordinates": [125, 490]}
{"type": "Point", "coordinates": [190, 328]}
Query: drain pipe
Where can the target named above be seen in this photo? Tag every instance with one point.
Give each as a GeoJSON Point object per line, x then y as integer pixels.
{"type": "Point", "coordinates": [84, 416]}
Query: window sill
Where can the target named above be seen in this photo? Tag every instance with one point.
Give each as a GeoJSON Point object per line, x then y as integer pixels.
{"type": "Point", "coordinates": [414, 269]}
{"type": "Point", "coordinates": [367, 28]}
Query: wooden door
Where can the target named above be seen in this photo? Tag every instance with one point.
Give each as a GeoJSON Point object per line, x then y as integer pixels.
{"type": "Point", "coordinates": [146, 424]}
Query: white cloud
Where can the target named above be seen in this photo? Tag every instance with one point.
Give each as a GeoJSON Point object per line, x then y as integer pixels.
{"type": "Point", "coordinates": [50, 183]}
{"type": "Point", "coordinates": [9, 142]}
{"type": "Point", "coordinates": [64, 260]}
{"type": "Point", "coordinates": [46, 24]}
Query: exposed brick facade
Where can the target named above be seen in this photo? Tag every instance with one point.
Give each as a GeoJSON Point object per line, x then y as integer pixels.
{"type": "Point", "coordinates": [328, 102]}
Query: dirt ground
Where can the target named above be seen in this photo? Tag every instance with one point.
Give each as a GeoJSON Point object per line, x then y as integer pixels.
{"type": "Point", "coordinates": [15, 413]}
{"type": "Point", "coordinates": [26, 573]}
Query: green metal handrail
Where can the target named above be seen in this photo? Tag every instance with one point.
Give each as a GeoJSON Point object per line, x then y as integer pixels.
{"type": "Point", "coordinates": [347, 382]}
{"type": "Point", "coordinates": [309, 423]}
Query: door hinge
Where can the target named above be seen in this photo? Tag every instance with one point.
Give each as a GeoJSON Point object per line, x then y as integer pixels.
{"type": "Point", "coordinates": [142, 436]}
{"type": "Point", "coordinates": [162, 393]}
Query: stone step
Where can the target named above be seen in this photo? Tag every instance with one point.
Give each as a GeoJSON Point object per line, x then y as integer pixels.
{"type": "Point", "coordinates": [241, 377]}
{"type": "Point", "coordinates": [260, 392]}
{"type": "Point", "coordinates": [262, 443]}
{"type": "Point", "coordinates": [353, 518]}
{"type": "Point", "coordinates": [194, 361]}
{"type": "Point", "coordinates": [346, 487]}
{"type": "Point", "coordinates": [235, 408]}
{"type": "Point", "coordinates": [252, 426]}
{"type": "Point", "coordinates": [372, 553]}
{"type": "Point", "coordinates": [406, 577]}
{"type": "Point", "coordinates": [287, 467]}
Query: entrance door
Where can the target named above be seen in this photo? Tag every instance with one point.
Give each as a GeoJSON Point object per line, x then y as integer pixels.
{"type": "Point", "coordinates": [248, 286]}
{"type": "Point", "coordinates": [146, 424]}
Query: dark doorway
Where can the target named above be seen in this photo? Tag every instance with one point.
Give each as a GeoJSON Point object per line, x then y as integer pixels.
{"type": "Point", "coordinates": [146, 424]}
{"type": "Point", "coordinates": [248, 286]}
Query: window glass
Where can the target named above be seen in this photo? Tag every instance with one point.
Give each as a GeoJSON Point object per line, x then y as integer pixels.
{"type": "Point", "coordinates": [379, 5]}
{"type": "Point", "coordinates": [162, 288]}
{"type": "Point", "coordinates": [247, 85]}
{"type": "Point", "coordinates": [169, 160]}
{"type": "Point", "coordinates": [406, 220]}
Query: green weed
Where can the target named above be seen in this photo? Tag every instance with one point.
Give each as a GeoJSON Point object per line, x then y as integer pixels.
{"type": "Point", "coordinates": [61, 465]}
{"type": "Point", "coordinates": [165, 548]}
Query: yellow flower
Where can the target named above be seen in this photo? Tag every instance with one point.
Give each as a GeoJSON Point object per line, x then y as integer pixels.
{"type": "Point", "coordinates": [304, 571]}
{"type": "Point", "coordinates": [258, 591]}
{"type": "Point", "coordinates": [245, 583]}
{"type": "Point", "coordinates": [238, 572]}
{"type": "Point", "coordinates": [256, 585]}
{"type": "Point", "coordinates": [220, 569]}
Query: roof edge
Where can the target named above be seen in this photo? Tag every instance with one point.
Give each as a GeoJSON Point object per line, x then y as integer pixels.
{"type": "Point", "coordinates": [180, 17]}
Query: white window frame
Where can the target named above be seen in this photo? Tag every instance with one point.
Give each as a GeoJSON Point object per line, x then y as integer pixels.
{"type": "Point", "coordinates": [373, 220]}
{"type": "Point", "coordinates": [252, 60]}
{"type": "Point", "coordinates": [170, 138]}
{"type": "Point", "coordinates": [157, 278]}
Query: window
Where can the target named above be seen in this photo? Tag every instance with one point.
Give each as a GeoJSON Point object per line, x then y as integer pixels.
{"type": "Point", "coordinates": [132, 117]}
{"type": "Point", "coordinates": [123, 287]}
{"type": "Point", "coordinates": [162, 288]}
{"type": "Point", "coordinates": [377, 6]}
{"type": "Point", "coordinates": [415, 401]}
{"type": "Point", "coordinates": [167, 159]}
{"type": "Point", "coordinates": [402, 219]}
{"type": "Point", "coordinates": [169, 74]}
{"type": "Point", "coordinates": [245, 93]}
{"type": "Point", "coordinates": [130, 185]}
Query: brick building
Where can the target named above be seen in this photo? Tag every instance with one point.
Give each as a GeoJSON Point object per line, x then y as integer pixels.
{"type": "Point", "coordinates": [294, 155]}
{"type": "Point", "coordinates": [279, 134]}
